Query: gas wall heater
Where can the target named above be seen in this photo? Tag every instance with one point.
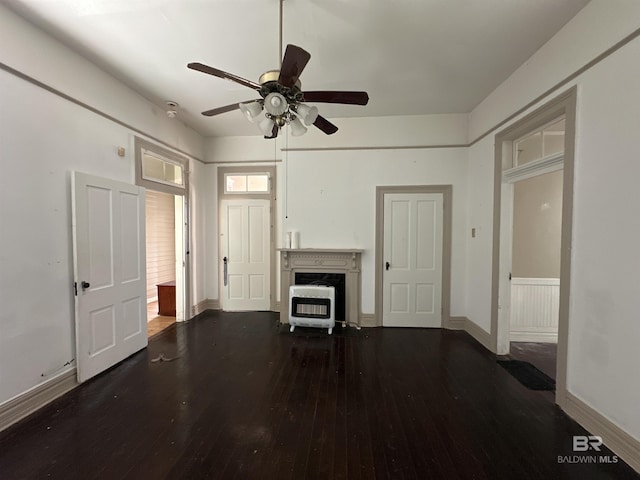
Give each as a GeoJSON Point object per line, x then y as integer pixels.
{"type": "Point", "coordinates": [312, 306]}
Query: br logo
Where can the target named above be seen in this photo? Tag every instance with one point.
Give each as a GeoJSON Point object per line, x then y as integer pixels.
{"type": "Point", "coordinates": [584, 443]}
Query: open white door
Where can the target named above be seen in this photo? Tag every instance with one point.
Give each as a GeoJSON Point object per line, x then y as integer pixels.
{"type": "Point", "coordinates": [412, 282]}
{"type": "Point", "coordinates": [109, 269]}
{"type": "Point", "coordinates": [245, 277]}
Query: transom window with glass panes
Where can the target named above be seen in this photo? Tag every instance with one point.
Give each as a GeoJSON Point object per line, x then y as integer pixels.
{"type": "Point", "coordinates": [161, 170]}
{"type": "Point", "coordinates": [246, 183]}
{"type": "Point", "coordinates": [545, 142]}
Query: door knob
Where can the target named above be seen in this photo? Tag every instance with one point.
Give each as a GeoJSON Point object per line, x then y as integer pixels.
{"type": "Point", "coordinates": [387, 265]}
{"type": "Point", "coordinates": [85, 285]}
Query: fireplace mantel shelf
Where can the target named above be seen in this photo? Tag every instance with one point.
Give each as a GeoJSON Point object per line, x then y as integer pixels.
{"type": "Point", "coordinates": [322, 250]}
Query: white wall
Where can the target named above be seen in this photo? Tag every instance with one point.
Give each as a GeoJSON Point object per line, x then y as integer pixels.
{"type": "Point", "coordinates": [198, 248]}
{"type": "Point", "coordinates": [331, 198]}
{"type": "Point", "coordinates": [409, 130]}
{"type": "Point", "coordinates": [603, 326]}
{"type": "Point", "coordinates": [44, 137]}
{"type": "Point", "coordinates": [329, 195]}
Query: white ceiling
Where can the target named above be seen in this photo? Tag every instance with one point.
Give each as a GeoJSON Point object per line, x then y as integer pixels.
{"type": "Point", "coordinates": [411, 56]}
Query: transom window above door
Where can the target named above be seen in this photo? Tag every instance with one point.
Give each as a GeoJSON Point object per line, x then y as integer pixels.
{"type": "Point", "coordinates": [161, 170]}
{"type": "Point", "coordinates": [542, 143]}
{"type": "Point", "coordinates": [246, 183]}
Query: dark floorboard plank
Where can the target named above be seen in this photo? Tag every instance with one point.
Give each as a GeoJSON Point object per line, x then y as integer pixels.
{"type": "Point", "coordinates": [246, 399]}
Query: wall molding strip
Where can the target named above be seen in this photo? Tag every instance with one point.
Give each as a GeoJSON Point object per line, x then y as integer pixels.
{"type": "Point", "coordinates": [478, 333]}
{"type": "Point", "coordinates": [367, 320]}
{"type": "Point", "coordinates": [614, 48]}
{"type": "Point", "coordinates": [23, 405]}
{"type": "Point", "coordinates": [231, 164]}
{"type": "Point", "coordinates": [382, 147]}
{"type": "Point", "coordinates": [457, 323]}
{"type": "Point", "coordinates": [55, 91]}
{"type": "Point", "coordinates": [614, 437]}
{"type": "Point", "coordinates": [587, 66]}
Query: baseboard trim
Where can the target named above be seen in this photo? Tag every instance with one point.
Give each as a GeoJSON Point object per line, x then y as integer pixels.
{"type": "Point", "coordinates": [368, 320]}
{"type": "Point", "coordinates": [614, 437]}
{"type": "Point", "coordinates": [532, 336]}
{"type": "Point", "coordinates": [37, 397]}
{"type": "Point", "coordinates": [456, 323]}
{"type": "Point", "coordinates": [478, 333]}
{"type": "Point", "coordinates": [207, 304]}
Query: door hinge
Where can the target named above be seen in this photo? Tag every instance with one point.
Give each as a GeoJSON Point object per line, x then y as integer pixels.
{"type": "Point", "coordinates": [75, 288]}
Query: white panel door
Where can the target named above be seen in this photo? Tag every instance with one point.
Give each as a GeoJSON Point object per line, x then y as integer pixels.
{"type": "Point", "coordinates": [245, 240]}
{"type": "Point", "coordinates": [109, 268]}
{"type": "Point", "coordinates": [412, 282]}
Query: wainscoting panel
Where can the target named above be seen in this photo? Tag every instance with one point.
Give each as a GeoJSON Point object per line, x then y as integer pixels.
{"type": "Point", "coordinates": [534, 309]}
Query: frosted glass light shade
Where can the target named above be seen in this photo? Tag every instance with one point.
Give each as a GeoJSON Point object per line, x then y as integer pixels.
{"type": "Point", "coordinates": [266, 126]}
{"type": "Point", "coordinates": [306, 113]}
{"type": "Point", "coordinates": [276, 104]}
{"type": "Point", "coordinates": [297, 128]}
{"type": "Point", "coordinates": [251, 110]}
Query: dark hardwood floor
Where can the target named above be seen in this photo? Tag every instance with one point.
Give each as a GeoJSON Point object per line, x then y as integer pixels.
{"type": "Point", "coordinates": [246, 399]}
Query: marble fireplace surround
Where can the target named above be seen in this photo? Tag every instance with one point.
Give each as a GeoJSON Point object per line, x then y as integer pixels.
{"type": "Point", "coordinates": [322, 260]}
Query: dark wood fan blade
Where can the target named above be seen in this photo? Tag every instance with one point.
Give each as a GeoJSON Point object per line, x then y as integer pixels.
{"type": "Point", "coordinates": [325, 125]}
{"type": "Point", "coordinates": [219, 110]}
{"type": "Point", "coordinates": [225, 75]}
{"type": "Point", "coordinates": [349, 98]}
{"type": "Point", "coordinates": [294, 61]}
{"type": "Point", "coordinates": [225, 109]}
{"type": "Point", "coordinates": [274, 132]}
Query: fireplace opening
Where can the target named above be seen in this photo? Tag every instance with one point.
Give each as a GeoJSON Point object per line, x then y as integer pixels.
{"type": "Point", "coordinates": [336, 280]}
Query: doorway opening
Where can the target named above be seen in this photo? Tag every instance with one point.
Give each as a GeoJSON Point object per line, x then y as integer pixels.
{"type": "Point", "coordinates": [165, 176]}
{"type": "Point", "coordinates": [533, 192]}
{"type": "Point", "coordinates": [162, 223]}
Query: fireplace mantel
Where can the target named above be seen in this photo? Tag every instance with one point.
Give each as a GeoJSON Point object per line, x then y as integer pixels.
{"type": "Point", "coordinates": [330, 260]}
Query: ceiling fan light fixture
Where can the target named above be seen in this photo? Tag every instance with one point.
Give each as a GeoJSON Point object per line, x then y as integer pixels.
{"type": "Point", "coordinates": [266, 126]}
{"type": "Point", "coordinates": [297, 128]}
{"type": "Point", "coordinates": [251, 110]}
{"type": "Point", "coordinates": [276, 104]}
{"type": "Point", "coordinates": [306, 113]}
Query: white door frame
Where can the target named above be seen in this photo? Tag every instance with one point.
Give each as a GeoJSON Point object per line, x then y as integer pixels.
{"type": "Point", "coordinates": [183, 235]}
{"type": "Point", "coordinates": [563, 105]}
{"type": "Point", "coordinates": [271, 197]}
{"type": "Point", "coordinates": [446, 191]}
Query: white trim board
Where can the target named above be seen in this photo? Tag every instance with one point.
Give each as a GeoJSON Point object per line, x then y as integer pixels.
{"type": "Point", "coordinates": [37, 397]}
{"type": "Point", "coordinates": [544, 165]}
{"type": "Point", "coordinates": [478, 333]}
{"type": "Point", "coordinates": [619, 441]}
{"type": "Point", "coordinates": [207, 304]}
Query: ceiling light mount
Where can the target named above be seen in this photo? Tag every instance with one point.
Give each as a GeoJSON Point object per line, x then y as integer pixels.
{"type": "Point", "coordinates": [172, 108]}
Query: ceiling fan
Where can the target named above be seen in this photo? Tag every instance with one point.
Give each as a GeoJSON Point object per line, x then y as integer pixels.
{"type": "Point", "coordinates": [282, 99]}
